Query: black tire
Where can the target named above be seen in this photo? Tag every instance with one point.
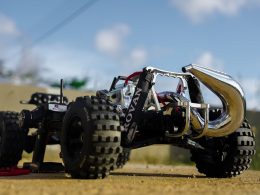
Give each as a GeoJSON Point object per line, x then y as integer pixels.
{"type": "Point", "coordinates": [90, 139]}
{"type": "Point", "coordinates": [123, 157]}
{"type": "Point", "coordinates": [11, 139]}
{"type": "Point", "coordinates": [233, 153]}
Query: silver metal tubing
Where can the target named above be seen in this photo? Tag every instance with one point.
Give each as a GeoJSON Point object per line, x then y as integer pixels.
{"type": "Point", "coordinates": [156, 101]}
{"type": "Point", "coordinates": [186, 105]}
{"type": "Point", "coordinates": [161, 72]}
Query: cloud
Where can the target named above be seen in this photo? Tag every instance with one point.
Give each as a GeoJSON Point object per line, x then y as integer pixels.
{"type": "Point", "coordinates": [8, 26]}
{"type": "Point", "coordinates": [199, 10]}
{"type": "Point", "coordinates": [133, 60]}
{"type": "Point", "coordinates": [62, 61]}
{"type": "Point", "coordinates": [21, 64]}
{"type": "Point", "coordinates": [209, 60]}
{"type": "Point", "coordinates": [29, 64]}
{"type": "Point", "coordinates": [250, 85]}
{"type": "Point", "coordinates": [51, 62]}
{"type": "Point", "coordinates": [138, 56]}
{"type": "Point", "coordinates": [205, 59]}
{"type": "Point", "coordinates": [252, 92]}
{"type": "Point", "coordinates": [110, 41]}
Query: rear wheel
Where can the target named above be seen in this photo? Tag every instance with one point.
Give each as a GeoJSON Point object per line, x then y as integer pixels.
{"type": "Point", "coordinates": [11, 139]}
{"type": "Point", "coordinates": [233, 153]}
{"type": "Point", "coordinates": [90, 140]}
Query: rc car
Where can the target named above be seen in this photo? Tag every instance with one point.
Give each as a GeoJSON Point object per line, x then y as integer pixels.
{"type": "Point", "coordinates": [97, 133]}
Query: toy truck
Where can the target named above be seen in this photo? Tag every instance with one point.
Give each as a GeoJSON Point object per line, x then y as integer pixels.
{"type": "Point", "coordinates": [97, 133]}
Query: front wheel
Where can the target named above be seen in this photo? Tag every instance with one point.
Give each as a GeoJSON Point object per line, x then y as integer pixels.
{"type": "Point", "coordinates": [232, 154]}
{"type": "Point", "coordinates": [90, 140]}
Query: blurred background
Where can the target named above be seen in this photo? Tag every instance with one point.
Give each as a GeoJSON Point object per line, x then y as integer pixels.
{"type": "Point", "coordinates": [88, 42]}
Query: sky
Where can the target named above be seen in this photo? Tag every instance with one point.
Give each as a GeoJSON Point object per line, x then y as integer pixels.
{"type": "Point", "coordinates": [116, 37]}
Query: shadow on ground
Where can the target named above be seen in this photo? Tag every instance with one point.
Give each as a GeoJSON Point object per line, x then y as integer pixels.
{"type": "Point", "coordinates": [156, 175]}
{"type": "Point", "coordinates": [129, 174]}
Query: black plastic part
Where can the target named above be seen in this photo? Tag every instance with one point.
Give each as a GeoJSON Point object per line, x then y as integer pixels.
{"type": "Point", "coordinates": [61, 91]}
{"type": "Point", "coordinates": [43, 98]}
{"type": "Point", "coordinates": [147, 142]}
{"type": "Point", "coordinates": [25, 118]}
{"type": "Point", "coordinates": [47, 122]}
{"type": "Point", "coordinates": [29, 143]}
{"type": "Point", "coordinates": [30, 119]}
{"type": "Point", "coordinates": [115, 80]}
{"type": "Point", "coordinates": [194, 90]}
{"type": "Point", "coordinates": [40, 146]}
{"type": "Point", "coordinates": [134, 111]}
{"type": "Point", "coordinates": [46, 167]}
{"type": "Point", "coordinates": [123, 157]}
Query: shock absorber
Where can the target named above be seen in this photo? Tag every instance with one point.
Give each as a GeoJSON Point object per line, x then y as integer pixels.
{"type": "Point", "coordinates": [134, 111]}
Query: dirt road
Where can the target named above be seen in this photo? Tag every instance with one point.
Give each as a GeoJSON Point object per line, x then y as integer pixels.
{"type": "Point", "coordinates": [134, 179]}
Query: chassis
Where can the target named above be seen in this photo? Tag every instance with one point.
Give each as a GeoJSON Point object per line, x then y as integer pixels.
{"type": "Point", "coordinates": [97, 133]}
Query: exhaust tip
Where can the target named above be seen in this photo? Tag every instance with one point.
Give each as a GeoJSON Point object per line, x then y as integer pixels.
{"type": "Point", "coordinates": [186, 68]}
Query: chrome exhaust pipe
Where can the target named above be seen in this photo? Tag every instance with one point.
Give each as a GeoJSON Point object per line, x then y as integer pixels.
{"type": "Point", "coordinates": [231, 96]}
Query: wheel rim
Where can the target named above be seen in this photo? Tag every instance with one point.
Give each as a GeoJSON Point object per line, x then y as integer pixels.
{"type": "Point", "coordinates": [75, 137]}
{"type": "Point", "coordinates": [222, 148]}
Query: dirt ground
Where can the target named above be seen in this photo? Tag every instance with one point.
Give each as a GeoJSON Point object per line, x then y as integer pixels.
{"type": "Point", "coordinates": [134, 179]}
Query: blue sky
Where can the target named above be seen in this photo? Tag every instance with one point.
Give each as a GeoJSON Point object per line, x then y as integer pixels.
{"type": "Point", "coordinates": [118, 37]}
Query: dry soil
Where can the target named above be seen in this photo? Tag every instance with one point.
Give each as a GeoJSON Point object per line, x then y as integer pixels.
{"type": "Point", "coordinates": [134, 179]}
